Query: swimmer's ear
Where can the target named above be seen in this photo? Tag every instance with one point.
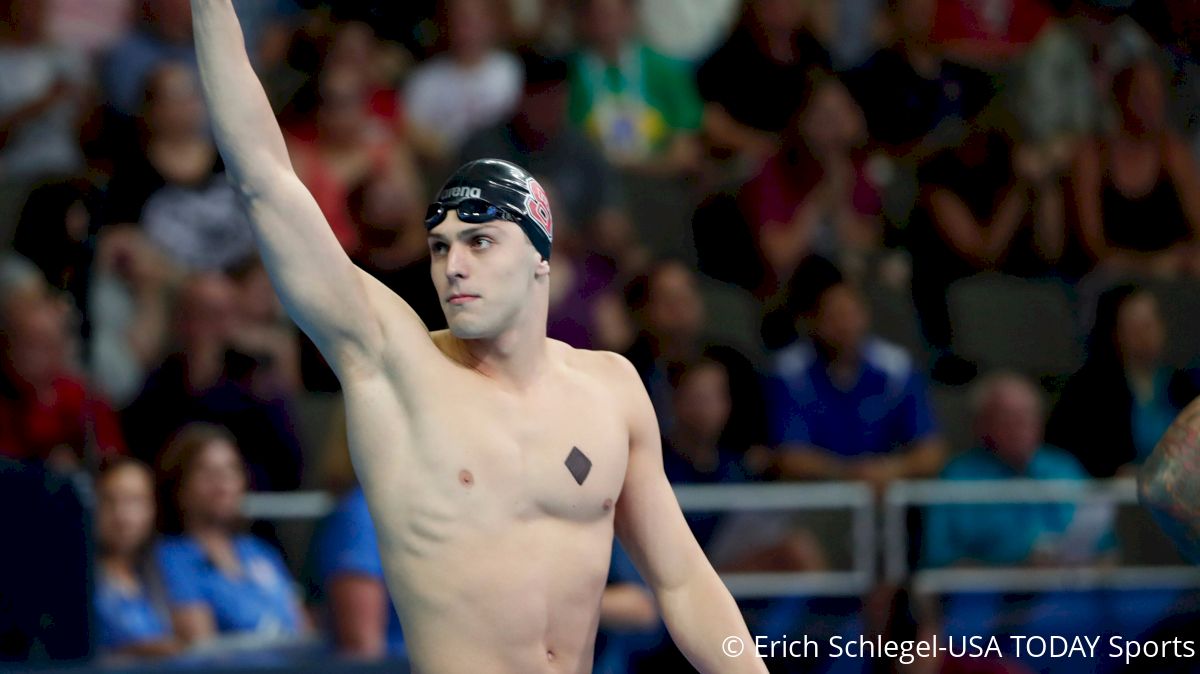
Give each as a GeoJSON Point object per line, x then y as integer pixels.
{"type": "Point", "coordinates": [542, 269]}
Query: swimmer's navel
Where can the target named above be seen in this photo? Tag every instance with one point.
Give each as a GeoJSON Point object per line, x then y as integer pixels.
{"type": "Point", "coordinates": [465, 478]}
{"type": "Point", "coordinates": [550, 655]}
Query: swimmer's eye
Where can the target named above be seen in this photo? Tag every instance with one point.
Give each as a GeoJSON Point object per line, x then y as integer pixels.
{"type": "Point", "coordinates": [438, 248]}
{"type": "Point", "coordinates": [482, 242]}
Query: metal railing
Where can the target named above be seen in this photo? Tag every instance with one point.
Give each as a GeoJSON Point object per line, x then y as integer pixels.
{"type": "Point", "coordinates": [922, 493]}
{"type": "Point", "coordinates": [855, 497]}
{"type": "Point", "coordinates": [869, 540]}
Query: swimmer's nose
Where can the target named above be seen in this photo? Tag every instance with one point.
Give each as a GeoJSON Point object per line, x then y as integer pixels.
{"type": "Point", "coordinates": [457, 261]}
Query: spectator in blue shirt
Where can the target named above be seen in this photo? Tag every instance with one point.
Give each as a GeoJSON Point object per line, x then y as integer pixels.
{"type": "Point", "coordinates": [343, 574]}
{"type": "Point", "coordinates": [694, 449]}
{"type": "Point", "coordinates": [131, 617]}
{"type": "Point", "coordinates": [845, 405]}
{"type": "Point", "coordinates": [694, 452]}
{"type": "Point", "coordinates": [218, 579]}
{"type": "Point", "coordinates": [165, 34]}
{"type": "Point", "coordinates": [1010, 422]}
{"type": "Point", "coordinates": [346, 575]}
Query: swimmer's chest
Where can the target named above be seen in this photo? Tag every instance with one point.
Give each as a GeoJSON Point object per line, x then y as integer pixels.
{"type": "Point", "coordinates": [562, 456]}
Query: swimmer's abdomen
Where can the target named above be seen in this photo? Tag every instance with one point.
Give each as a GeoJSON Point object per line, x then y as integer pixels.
{"type": "Point", "coordinates": [508, 597]}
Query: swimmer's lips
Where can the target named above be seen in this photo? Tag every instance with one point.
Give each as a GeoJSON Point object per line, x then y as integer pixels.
{"type": "Point", "coordinates": [462, 299]}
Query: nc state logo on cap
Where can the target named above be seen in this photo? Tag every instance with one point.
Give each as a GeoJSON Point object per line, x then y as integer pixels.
{"type": "Point", "coordinates": [537, 205]}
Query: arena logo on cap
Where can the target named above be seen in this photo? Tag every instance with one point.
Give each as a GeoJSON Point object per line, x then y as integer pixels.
{"type": "Point", "coordinates": [537, 204]}
{"type": "Point", "coordinates": [461, 192]}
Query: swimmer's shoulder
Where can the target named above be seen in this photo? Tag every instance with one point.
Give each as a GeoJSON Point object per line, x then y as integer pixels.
{"type": "Point", "coordinates": [608, 368]}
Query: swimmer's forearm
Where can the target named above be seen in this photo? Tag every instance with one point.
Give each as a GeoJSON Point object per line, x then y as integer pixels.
{"type": "Point", "coordinates": [704, 621]}
{"type": "Point", "coordinates": [322, 290]}
{"type": "Point", "coordinates": [243, 122]}
{"type": "Point", "coordinates": [1169, 482]}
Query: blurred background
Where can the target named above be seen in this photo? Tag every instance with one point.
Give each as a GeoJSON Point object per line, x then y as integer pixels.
{"type": "Point", "coordinates": [912, 284]}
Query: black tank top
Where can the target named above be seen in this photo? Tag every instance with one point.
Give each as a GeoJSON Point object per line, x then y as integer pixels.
{"type": "Point", "coordinates": [1152, 222]}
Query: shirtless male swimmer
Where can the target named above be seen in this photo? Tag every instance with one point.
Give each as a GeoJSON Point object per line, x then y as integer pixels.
{"type": "Point", "coordinates": [497, 463]}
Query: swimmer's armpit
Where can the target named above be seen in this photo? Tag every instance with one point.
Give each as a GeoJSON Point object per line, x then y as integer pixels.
{"type": "Point", "coordinates": [1169, 482]}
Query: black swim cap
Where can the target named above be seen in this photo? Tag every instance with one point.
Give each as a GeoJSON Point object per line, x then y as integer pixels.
{"type": "Point", "coordinates": [509, 188]}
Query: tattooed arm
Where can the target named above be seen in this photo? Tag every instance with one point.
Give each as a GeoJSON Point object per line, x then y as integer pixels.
{"type": "Point", "coordinates": [1169, 483]}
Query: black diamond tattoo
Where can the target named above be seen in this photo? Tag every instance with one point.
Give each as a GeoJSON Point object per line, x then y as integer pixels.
{"type": "Point", "coordinates": [579, 465]}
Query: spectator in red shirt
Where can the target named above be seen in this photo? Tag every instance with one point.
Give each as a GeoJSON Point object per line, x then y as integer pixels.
{"type": "Point", "coordinates": [46, 411]}
{"type": "Point", "coordinates": [815, 195]}
{"type": "Point", "coordinates": [989, 33]}
{"type": "Point", "coordinates": [342, 144]}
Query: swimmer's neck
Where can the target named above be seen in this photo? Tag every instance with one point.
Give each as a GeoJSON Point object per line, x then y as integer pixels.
{"type": "Point", "coordinates": [516, 358]}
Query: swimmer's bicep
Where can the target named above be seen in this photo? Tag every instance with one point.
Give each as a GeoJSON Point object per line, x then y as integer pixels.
{"type": "Point", "coordinates": [315, 279]}
{"type": "Point", "coordinates": [649, 521]}
{"type": "Point", "coordinates": [651, 526]}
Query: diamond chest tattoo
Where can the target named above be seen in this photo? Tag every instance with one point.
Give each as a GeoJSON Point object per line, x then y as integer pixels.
{"type": "Point", "coordinates": [578, 464]}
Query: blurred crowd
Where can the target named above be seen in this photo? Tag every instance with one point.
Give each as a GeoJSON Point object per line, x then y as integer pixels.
{"type": "Point", "coordinates": [769, 206]}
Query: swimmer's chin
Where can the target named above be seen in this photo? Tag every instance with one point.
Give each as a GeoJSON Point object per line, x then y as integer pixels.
{"type": "Point", "coordinates": [467, 330]}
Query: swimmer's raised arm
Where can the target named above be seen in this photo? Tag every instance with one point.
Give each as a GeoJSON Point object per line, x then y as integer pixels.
{"type": "Point", "coordinates": [333, 301]}
{"type": "Point", "coordinates": [701, 615]}
{"type": "Point", "coordinates": [1169, 482]}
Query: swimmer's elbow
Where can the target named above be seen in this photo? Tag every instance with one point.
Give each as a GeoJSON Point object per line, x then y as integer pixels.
{"type": "Point", "coordinates": [688, 576]}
